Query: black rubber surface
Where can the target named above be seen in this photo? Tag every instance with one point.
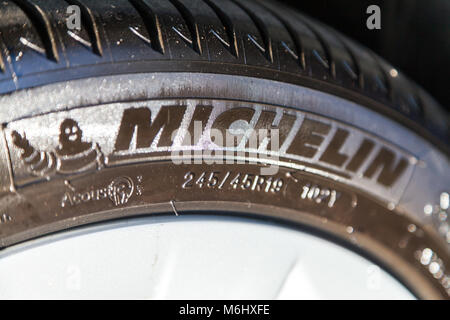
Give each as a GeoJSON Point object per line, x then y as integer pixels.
{"type": "Point", "coordinates": [244, 37]}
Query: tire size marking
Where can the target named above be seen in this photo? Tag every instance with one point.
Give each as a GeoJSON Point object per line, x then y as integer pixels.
{"type": "Point", "coordinates": [232, 180]}
{"type": "Point", "coordinates": [307, 191]}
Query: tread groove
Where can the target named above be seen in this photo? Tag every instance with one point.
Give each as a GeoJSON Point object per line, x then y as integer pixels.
{"type": "Point", "coordinates": [359, 74]}
{"type": "Point", "coordinates": [32, 46]}
{"type": "Point", "coordinates": [2, 63]}
{"type": "Point", "coordinates": [326, 48]}
{"type": "Point", "coordinates": [228, 25]}
{"type": "Point", "coordinates": [8, 61]}
{"type": "Point", "coordinates": [76, 37]}
{"type": "Point", "coordinates": [3, 50]}
{"type": "Point", "coordinates": [416, 102]}
{"type": "Point", "coordinates": [191, 24]}
{"type": "Point", "coordinates": [152, 24]}
{"type": "Point", "coordinates": [386, 81]}
{"type": "Point", "coordinates": [91, 26]}
{"type": "Point", "coordinates": [300, 53]}
{"type": "Point", "coordinates": [262, 29]}
{"type": "Point", "coordinates": [42, 24]}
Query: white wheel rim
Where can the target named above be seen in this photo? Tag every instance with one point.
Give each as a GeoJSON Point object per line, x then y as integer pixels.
{"type": "Point", "coordinates": [195, 257]}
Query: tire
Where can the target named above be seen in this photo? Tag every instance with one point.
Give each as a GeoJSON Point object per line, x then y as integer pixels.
{"type": "Point", "coordinates": [88, 117]}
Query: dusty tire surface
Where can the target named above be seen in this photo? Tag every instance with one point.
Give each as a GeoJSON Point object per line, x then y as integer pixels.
{"type": "Point", "coordinates": [89, 118]}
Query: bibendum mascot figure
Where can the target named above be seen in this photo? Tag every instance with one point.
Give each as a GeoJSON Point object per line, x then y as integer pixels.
{"type": "Point", "coordinates": [72, 155]}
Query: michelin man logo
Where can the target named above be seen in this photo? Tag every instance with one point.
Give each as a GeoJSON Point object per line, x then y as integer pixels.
{"type": "Point", "coordinates": [73, 155]}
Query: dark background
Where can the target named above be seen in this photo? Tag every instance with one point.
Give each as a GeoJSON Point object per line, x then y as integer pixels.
{"type": "Point", "coordinates": [414, 35]}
